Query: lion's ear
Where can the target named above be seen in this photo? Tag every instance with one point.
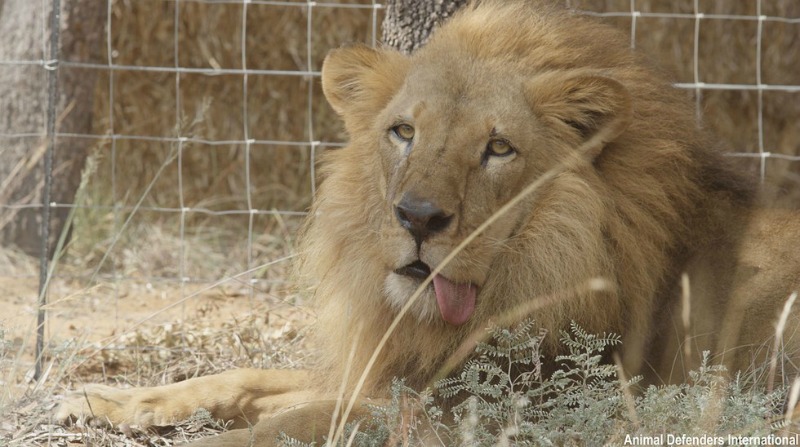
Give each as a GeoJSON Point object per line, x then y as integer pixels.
{"type": "Point", "coordinates": [595, 108]}
{"type": "Point", "coordinates": [358, 81]}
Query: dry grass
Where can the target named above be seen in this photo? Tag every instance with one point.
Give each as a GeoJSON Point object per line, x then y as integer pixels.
{"type": "Point", "coordinates": [145, 258]}
{"type": "Point", "coordinates": [213, 108]}
{"type": "Point", "coordinates": [29, 425]}
{"type": "Point", "coordinates": [727, 53]}
{"type": "Point", "coordinates": [213, 334]}
{"type": "Point", "coordinates": [143, 330]}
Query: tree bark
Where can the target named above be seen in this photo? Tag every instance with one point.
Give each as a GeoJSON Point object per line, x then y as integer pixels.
{"type": "Point", "coordinates": [408, 23]}
{"type": "Point", "coordinates": [24, 37]}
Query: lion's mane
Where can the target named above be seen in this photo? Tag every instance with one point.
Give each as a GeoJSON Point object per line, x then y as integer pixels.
{"type": "Point", "coordinates": [633, 215]}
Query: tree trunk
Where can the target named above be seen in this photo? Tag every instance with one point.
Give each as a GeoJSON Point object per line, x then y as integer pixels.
{"type": "Point", "coordinates": [24, 37]}
{"type": "Point", "coordinates": [409, 23]}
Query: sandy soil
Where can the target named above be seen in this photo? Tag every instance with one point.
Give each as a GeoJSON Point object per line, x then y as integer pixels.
{"type": "Point", "coordinates": [133, 333]}
{"type": "Point", "coordinates": [111, 316]}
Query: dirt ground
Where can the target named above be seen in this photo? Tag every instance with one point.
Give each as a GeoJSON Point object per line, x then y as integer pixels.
{"type": "Point", "coordinates": [134, 333]}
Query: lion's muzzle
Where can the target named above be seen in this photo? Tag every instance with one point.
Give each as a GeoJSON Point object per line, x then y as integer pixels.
{"type": "Point", "coordinates": [421, 217]}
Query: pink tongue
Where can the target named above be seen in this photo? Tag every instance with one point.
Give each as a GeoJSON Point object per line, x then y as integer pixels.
{"type": "Point", "coordinates": [456, 301]}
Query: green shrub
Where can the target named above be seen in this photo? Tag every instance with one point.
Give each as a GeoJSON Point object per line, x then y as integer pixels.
{"type": "Point", "coordinates": [505, 399]}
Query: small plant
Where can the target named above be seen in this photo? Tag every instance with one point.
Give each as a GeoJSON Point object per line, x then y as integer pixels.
{"type": "Point", "coordinates": [505, 398]}
{"type": "Point", "coordinates": [409, 417]}
{"type": "Point", "coordinates": [579, 401]}
{"type": "Point", "coordinates": [709, 404]}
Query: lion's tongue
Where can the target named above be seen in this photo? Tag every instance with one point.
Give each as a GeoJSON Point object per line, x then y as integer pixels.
{"type": "Point", "coordinates": [456, 301]}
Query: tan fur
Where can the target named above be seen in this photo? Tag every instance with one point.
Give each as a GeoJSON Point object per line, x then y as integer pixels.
{"type": "Point", "coordinates": [632, 194]}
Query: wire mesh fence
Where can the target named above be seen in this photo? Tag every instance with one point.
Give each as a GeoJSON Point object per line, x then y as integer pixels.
{"type": "Point", "coordinates": [206, 120]}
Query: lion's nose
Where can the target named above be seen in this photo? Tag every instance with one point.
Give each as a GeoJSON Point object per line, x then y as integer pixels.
{"type": "Point", "coordinates": [422, 218]}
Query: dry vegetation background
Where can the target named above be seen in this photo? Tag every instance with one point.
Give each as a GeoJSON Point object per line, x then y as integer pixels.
{"type": "Point", "coordinates": [120, 312]}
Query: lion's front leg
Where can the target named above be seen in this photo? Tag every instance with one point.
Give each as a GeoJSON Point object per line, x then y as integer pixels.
{"type": "Point", "coordinates": [308, 422]}
{"type": "Point", "coordinates": [243, 396]}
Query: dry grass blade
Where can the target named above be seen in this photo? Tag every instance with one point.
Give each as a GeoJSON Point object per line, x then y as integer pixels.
{"type": "Point", "coordinates": [630, 401]}
{"type": "Point", "coordinates": [776, 349]}
{"type": "Point", "coordinates": [172, 157]}
{"type": "Point", "coordinates": [686, 317]}
{"type": "Point", "coordinates": [794, 396]}
{"type": "Point", "coordinates": [345, 378]}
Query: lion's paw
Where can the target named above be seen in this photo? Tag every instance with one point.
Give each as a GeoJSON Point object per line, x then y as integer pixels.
{"type": "Point", "coordinates": [105, 405]}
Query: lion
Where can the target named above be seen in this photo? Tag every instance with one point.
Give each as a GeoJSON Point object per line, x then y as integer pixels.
{"type": "Point", "coordinates": [524, 163]}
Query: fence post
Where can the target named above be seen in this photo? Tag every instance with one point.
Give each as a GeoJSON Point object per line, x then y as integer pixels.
{"type": "Point", "coordinates": [52, 103]}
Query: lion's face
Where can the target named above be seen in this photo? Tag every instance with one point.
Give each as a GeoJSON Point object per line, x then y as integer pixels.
{"type": "Point", "coordinates": [454, 140]}
{"type": "Point", "coordinates": [451, 155]}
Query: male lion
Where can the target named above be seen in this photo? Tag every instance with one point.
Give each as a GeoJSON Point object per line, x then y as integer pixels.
{"type": "Point", "coordinates": [534, 165]}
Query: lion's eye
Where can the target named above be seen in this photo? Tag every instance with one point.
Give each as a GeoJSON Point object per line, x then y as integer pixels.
{"type": "Point", "coordinates": [404, 132]}
{"type": "Point", "coordinates": [499, 148]}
